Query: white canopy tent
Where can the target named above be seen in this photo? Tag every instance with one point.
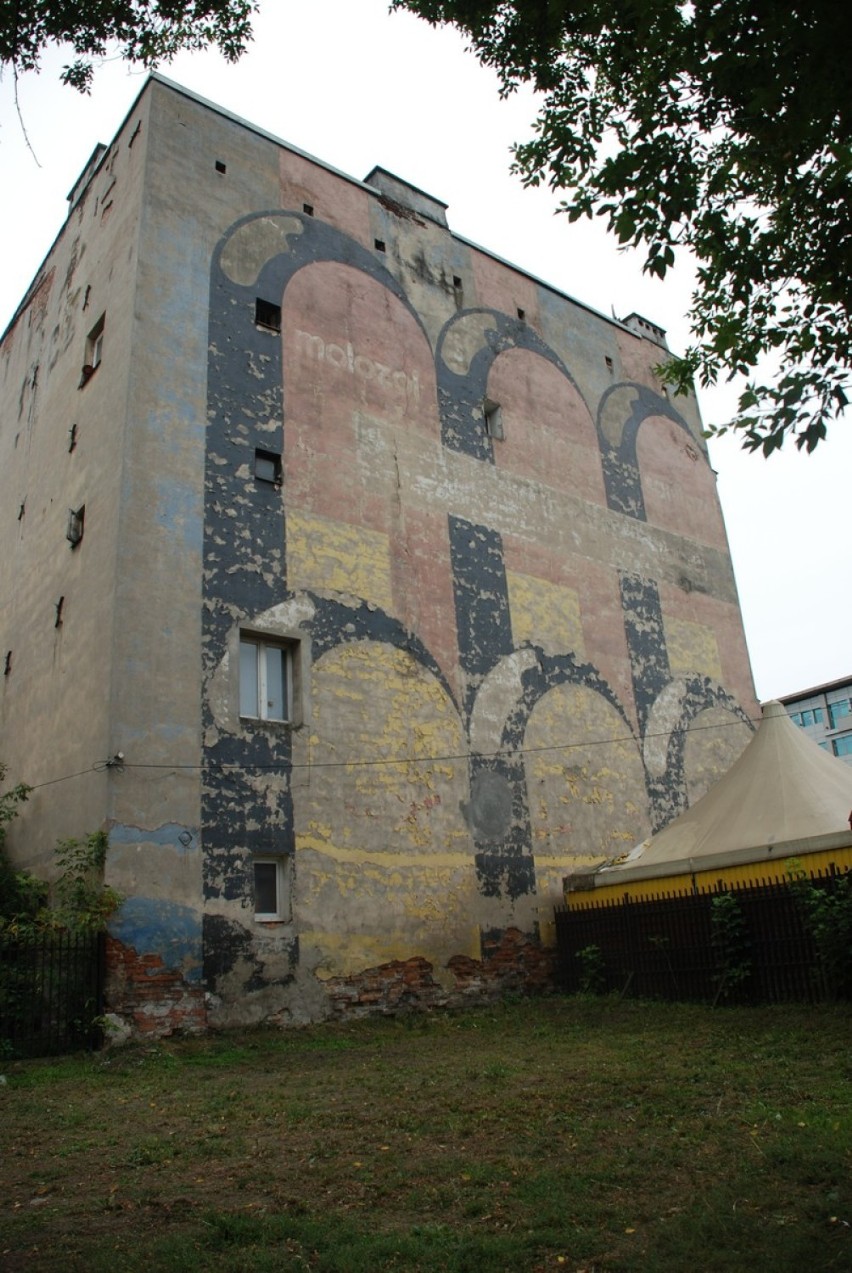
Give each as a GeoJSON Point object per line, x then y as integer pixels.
{"type": "Point", "coordinates": [783, 798]}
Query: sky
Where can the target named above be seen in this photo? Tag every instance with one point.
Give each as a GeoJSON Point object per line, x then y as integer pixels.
{"type": "Point", "coordinates": [356, 86]}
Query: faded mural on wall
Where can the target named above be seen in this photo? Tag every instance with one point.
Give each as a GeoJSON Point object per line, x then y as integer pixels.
{"type": "Point", "coordinates": [502, 602]}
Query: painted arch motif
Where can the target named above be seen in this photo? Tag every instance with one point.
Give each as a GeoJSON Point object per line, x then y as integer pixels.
{"type": "Point", "coordinates": [420, 611]}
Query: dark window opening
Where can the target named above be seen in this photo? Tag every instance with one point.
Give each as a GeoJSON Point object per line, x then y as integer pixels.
{"type": "Point", "coordinates": [8, 665]}
{"type": "Point", "coordinates": [493, 419]}
{"type": "Point", "coordinates": [266, 888]}
{"type": "Point", "coordinates": [458, 291]}
{"type": "Point", "coordinates": [267, 467]}
{"type": "Point", "coordinates": [72, 437]}
{"type": "Point", "coordinates": [21, 511]}
{"type": "Point", "coordinates": [609, 365]}
{"type": "Point", "coordinates": [57, 623]}
{"type": "Point", "coordinates": [267, 315]}
{"type": "Point", "coordinates": [308, 209]}
{"type": "Point", "coordinates": [74, 529]}
{"type": "Point", "coordinates": [220, 167]}
{"type": "Point", "coordinates": [380, 245]}
{"type": "Point", "coordinates": [522, 313]}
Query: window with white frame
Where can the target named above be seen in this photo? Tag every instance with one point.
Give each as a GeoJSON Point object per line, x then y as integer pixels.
{"type": "Point", "coordinates": [271, 891]}
{"type": "Point", "coordinates": [266, 678]}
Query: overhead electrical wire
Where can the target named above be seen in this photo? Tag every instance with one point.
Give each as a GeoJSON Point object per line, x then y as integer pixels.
{"type": "Point", "coordinates": [507, 753]}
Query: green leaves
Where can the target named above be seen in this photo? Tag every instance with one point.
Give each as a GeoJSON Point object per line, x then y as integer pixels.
{"type": "Point", "coordinates": [148, 32]}
{"type": "Point", "coordinates": [722, 128]}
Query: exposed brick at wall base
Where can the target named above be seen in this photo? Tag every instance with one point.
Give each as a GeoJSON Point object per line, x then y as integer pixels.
{"type": "Point", "coordinates": [512, 962]}
{"type": "Point", "coordinates": [153, 999]}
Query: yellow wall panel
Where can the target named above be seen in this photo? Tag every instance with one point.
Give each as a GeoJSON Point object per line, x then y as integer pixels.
{"type": "Point", "coordinates": [545, 614]}
{"type": "Point", "coordinates": [323, 554]}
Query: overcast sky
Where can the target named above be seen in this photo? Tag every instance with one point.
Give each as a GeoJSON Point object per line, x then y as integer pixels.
{"type": "Point", "coordinates": [357, 86]}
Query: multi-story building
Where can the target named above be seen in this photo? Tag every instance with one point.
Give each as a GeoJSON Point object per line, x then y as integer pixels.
{"type": "Point", "coordinates": [825, 713]}
{"type": "Point", "coordinates": [359, 584]}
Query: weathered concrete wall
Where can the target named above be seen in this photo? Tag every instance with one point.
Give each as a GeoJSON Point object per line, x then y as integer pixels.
{"type": "Point", "coordinates": [523, 653]}
{"type": "Point", "coordinates": [511, 657]}
{"type": "Point", "coordinates": [62, 439]}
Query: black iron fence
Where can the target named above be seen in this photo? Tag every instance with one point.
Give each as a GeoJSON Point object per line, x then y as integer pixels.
{"type": "Point", "coordinates": [764, 943]}
{"type": "Point", "coordinates": [51, 993]}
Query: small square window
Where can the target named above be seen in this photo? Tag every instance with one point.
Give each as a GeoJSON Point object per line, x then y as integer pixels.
{"type": "Point", "coordinates": [493, 419]}
{"type": "Point", "coordinates": [380, 245]}
{"type": "Point", "coordinates": [220, 166]}
{"type": "Point", "coordinates": [267, 315]}
{"type": "Point", "coordinates": [522, 314]}
{"type": "Point", "coordinates": [266, 679]}
{"type": "Point", "coordinates": [267, 467]}
{"type": "Point", "coordinates": [308, 209]}
{"type": "Point", "coordinates": [271, 891]}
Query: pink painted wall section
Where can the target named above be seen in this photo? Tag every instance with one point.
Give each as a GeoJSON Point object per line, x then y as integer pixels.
{"type": "Point", "coordinates": [678, 484]}
{"type": "Point", "coordinates": [548, 433]}
{"type": "Point", "coordinates": [362, 441]}
{"type": "Point", "coordinates": [504, 289]}
{"type": "Point", "coordinates": [639, 357]}
{"type": "Point", "coordinates": [334, 200]}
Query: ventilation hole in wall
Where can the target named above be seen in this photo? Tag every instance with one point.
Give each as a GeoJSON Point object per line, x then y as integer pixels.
{"type": "Point", "coordinates": [308, 209]}
{"type": "Point", "coordinates": [74, 528]}
{"type": "Point", "coordinates": [72, 437]}
{"type": "Point", "coordinates": [7, 668]}
{"type": "Point", "coordinates": [60, 605]}
{"type": "Point", "coordinates": [608, 362]}
{"type": "Point", "coordinates": [87, 295]}
{"type": "Point", "coordinates": [522, 313]}
{"type": "Point", "coordinates": [493, 419]}
{"type": "Point", "coordinates": [267, 315]}
{"type": "Point", "coordinates": [21, 511]}
{"type": "Point", "coordinates": [221, 167]}
{"type": "Point", "coordinates": [267, 467]}
{"type": "Point", "coordinates": [380, 245]}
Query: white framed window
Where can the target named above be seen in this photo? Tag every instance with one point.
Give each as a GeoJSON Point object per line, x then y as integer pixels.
{"type": "Point", "coordinates": [271, 888]}
{"type": "Point", "coordinates": [266, 679]}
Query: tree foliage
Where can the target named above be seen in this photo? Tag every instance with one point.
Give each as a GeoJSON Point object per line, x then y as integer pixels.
{"type": "Point", "coordinates": [718, 126]}
{"type": "Point", "coordinates": [146, 31]}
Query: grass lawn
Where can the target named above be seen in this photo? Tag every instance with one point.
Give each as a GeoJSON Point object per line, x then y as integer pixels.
{"type": "Point", "coordinates": [562, 1133]}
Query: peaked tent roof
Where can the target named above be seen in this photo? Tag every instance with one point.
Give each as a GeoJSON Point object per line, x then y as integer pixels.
{"type": "Point", "coordinates": [783, 790]}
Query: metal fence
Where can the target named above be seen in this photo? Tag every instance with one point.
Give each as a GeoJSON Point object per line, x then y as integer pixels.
{"type": "Point", "coordinates": [670, 947]}
{"type": "Point", "coordinates": [51, 993]}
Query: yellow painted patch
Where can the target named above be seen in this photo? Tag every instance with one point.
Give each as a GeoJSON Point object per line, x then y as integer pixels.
{"type": "Point", "coordinates": [585, 781]}
{"type": "Point", "coordinates": [692, 648]}
{"type": "Point", "coordinates": [347, 954]}
{"type": "Point", "coordinates": [335, 556]}
{"type": "Point", "coordinates": [545, 614]}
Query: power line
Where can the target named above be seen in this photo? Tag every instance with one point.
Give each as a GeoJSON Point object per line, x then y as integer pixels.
{"type": "Point", "coordinates": [507, 753]}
